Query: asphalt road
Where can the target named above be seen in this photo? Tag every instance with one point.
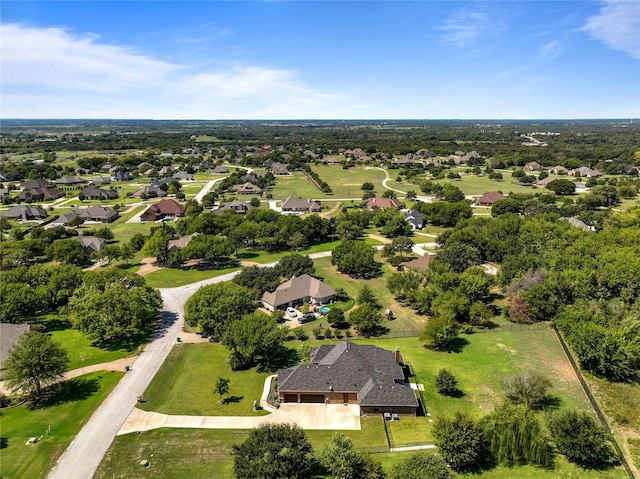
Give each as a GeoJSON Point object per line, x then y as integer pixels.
{"type": "Point", "coordinates": [84, 454]}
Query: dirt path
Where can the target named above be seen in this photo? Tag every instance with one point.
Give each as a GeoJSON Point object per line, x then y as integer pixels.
{"type": "Point", "coordinates": [147, 265]}
{"type": "Point", "coordinates": [382, 239]}
{"type": "Point", "coordinates": [327, 214]}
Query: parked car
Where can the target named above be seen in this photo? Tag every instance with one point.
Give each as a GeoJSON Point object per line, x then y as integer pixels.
{"type": "Point", "coordinates": [292, 312]}
{"type": "Point", "coordinates": [307, 317]}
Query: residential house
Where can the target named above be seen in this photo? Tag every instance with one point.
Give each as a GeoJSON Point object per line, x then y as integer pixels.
{"type": "Point", "coordinates": [296, 291]}
{"type": "Point", "coordinates": [544, 182]}
{"type": "Point", "coordinates": [95, 193]}
{"type": "Point", "coordinates": [279, 169]}
{"type": "Point", "coordinates": [585, 172]}
{"type": "Point", "coordinates": [299, 205]}
{"type": "Point", "coordinates": [39, 183]}
{"type": "Point", "coordinates": [163, 209]}
{"type": "Point", "coordinates": [349, 373]}
{"type": "Point", "coordinates": [40, 194]}
{"type": "Point", "coordinates": [415, 218]}
{"type": "Point", "coordinates": [331, 160]}
{"type": "Point", "coordinates": [9, 336]}
{"type": "Point", "coordinates": [573, 221]}
{"type": "Point", "coordinates": [183, 176]}
{"type": "Point", "coordinates": [237, 206]}
{"type": "Point", "coordinates": [173, 245]}
{"type": "Point", "coordinates": [247, 189]}
{"type": "Point", "coordinates": [26, 213]}
{"type": "Point", "coordinates": [121, 176]}
{"type": "Point", "coordinates": [559, 170]}
{"type": "Point", "coordinates": [220, 170]}
{"type": "Point", "coordinates": [532, 166]}
{"type": "Point", "coordinates": [489, 198]}
{"type": "Point", "coordinates": [150, 191]}
{"type": "Point", "coordinates": [91, 244]}
{"type": "Point", "coordinates": [69, 180]}
{"type": "Point", "coordinates": [93, 213]}
{"type": "Point", "coordinates": [4, 192]}
{"type": "Point", "coordinates": [165, 171]}
{"type": "Point", "coordinates": [384, 203]}
{"type": "Point", "coordinates": [101, 180]}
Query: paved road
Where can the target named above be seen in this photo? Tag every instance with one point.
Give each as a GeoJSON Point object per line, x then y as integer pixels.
{"type": "Point", "coordinates": [84, 454]}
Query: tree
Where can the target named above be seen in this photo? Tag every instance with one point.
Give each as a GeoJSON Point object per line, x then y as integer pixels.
{"type": "Point", "coordinates": [34, 362]}
{"type": "Point", "coordinates": [515, 434]}
{"type": "Point", "coordinates": [440, 332]}
{"type": "Point", "coordinates": [221, 388]}
{"type": "Point", "coordinates": [530, 389]}
{"type": "Point", "coordinates": [460, 255]}
{"type": "Point", "coordinates": [340, 459]}
{"type": "Point", "coordinates": [562, 187]}
{"type": "Point", "coordinates": [505, 206]}
{"type": "Point", "coordinates": [336, 318]}
{"type": "Point", "coordinates": [67, 251]}
{"type": "Point", "coordinates": [365, 295]}
{"type": "Point", "coordinates": [459, 440]}
{"type": "Point", "coordinates": [355, 258]}
{"type": "Point", "coordinates": [422, 465]}
{"type": "Point", "coordinates": [18, 301]}
{"type": "Point", "coordinates": [273, 451]}
{"type": "Point", "coordinates": [214, 307]}
{"type": "Point", "coordinates": [255, 337]}
{"type": "Point", "coordinates": [255, 202]}
{"type": "Point", "coordinates": [517, 309]}
{"type": "Point", "coordinates": [367, 186]}
{"type": "Point", "coordinates": [104, 233]}
{"type": "Point", "coordinates": [446, 383]}
{"type": "Point", "coordinates": [295, 264]}
{"type": "Point", "coordinates": [127, 252]}
{"type": "Point", "coordinates": [584, 442]}
{"type": "Point", "coordinates": [116, 312]}
{"type": "Point", "coordinates": [77, 221]}
{"type": "Point", "coordinates": [366, 318]}
{"type": "Point", "coordinates": [208, 247]}
{"type": "Point", "coordinates": [402, 245]}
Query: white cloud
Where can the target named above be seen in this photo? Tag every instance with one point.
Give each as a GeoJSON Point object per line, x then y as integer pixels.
{"type": "Point", "coordinates": [618, 26]}
{"type": "Point", "coordinates": [550, 50]}
{"type": "Point", "coordinates": [465, 27]}
{"type": "Point", "coordinates": [53, 72]}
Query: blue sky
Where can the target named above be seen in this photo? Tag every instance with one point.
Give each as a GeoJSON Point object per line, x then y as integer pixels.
{"type": "Point", "coordinates": [320, 60]}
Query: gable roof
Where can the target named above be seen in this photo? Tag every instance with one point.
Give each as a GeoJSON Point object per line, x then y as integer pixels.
{"type": "Point", "coordinates": [25, 212]}
{"type": "Point", "coordinates": [368, 370]}
{"type": "Point", "coordinates": [91, 243]}
{"type": "Point", "coordinates": [420, 263]}
{"type": "Point", "coordinates": [300, 204]}
{"type": "Point", "coordinates": [384, 203]}
{"type": "Point", "coordinates": [491, 197]}
{"type": "Point", "coordinates": [298, 288]}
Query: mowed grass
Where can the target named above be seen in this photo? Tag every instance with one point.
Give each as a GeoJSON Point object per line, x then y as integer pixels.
{"type": "Point", "coordinates": [173, 277]}
{"type": "Point", "coordinates": [185, 383]}
{"type": "Point", "coordinates": [81, 398]}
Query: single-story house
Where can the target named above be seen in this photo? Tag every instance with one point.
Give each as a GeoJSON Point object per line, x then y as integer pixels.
{"type": "Point", "coordinates": [9, 335]}
{"type": "Point", "coordinates": [70, 180]}
{"type": "Point", "coordinates": [95, 213]}
{"type": "Point", "coordinates": [91, 244]}
{"type": "Point", "coordinates": [121, 176]}
{"type": "Point", "coordinates": [237, 206]}
{"type": "Point", "coordinates": [220, 170]}
{"type": "Point", "coordinates": [415, 218]}
{"type": "Point", "coordinates": [349, 373]}
{"type": "Point", "coordinates": [180, 243]}
{"type": "Point", "coordinates": [163, 209]}
{"type": "Point", "coordinates": [279, 169]}
{"type": "Point", "coordinates": [183, 176]}
{"type": "Point", "coordinates": [573, 221]}
{"type": "Point", "coordinates": [384, 203]}
{"type": "Point", "coordinates": [421, 262]}
{"type": "Point", "coordinates": [489, 198]}
{"type": "Point", "coordinates": [293, 204]}
{"type": "Point", "coordinates": [101, 180]}
{"type": "Point", "coordinates": [150, 191]}
{"type": "Point", "coordinates": [95, 193]}
{"type": "Point", "coordinates": [584, 171]}
{"type": "Point", "coordinates": [26, 213]}
{"type": "Point", "coordinates": [544, 182]}
{"type": "Point", "coordinates": [298, 290]}
{"type": "Point", "coordinates": [39, 183]}
{"type": "Point", "coordinates": [559, 170]}
{"type": "Point", "coordinates": [532, 166]}
{"type": "Point", "coordinates": [40, 194]}
{"type": "Point", "coordinates": [247, 189]}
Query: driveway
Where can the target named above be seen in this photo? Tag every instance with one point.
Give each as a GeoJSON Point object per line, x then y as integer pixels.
{"type": "Point", "coordinates": [306, 416]}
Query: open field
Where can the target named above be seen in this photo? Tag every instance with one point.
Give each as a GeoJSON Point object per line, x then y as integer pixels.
{"type": "Point", "coordinates": [479, 366]}
{"type": "Point", "coordinates": [79, 399]}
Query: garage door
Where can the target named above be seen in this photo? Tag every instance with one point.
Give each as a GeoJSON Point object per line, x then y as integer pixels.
{"type": "Point", "coordinates": [312, 398]}
{"type": "Point", "coordinates": [290, 398]}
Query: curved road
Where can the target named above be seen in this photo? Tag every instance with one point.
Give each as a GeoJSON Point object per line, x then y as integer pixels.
{"type": "Point", "coordinates": [84, 454]}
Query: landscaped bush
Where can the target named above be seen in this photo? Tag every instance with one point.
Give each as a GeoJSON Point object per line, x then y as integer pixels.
{"type": "Point", "coordinates": [446, 383]}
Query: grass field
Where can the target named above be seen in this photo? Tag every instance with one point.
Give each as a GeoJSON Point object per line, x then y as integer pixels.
{"type": "Point", "coordinates": [479, 366]}
{"type": "Point", "coordinates": [172, 277]}
{"type": "Point", "coordinates": [79, 399]}
{"type": "Point", "coordinates": [185, 382]}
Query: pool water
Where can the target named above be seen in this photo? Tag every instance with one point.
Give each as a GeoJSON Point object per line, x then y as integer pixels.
{"type": "Point", "coordinates": [325, 309]}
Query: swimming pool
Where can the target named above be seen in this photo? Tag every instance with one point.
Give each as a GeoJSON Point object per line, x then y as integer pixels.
{"type": "Point", "coordinates": [325, 309]}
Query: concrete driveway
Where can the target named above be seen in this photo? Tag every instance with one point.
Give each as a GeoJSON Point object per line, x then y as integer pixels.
{"type": "Point", "coordinates": [306, 416]}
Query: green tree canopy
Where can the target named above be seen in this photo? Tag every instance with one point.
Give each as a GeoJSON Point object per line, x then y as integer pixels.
{"type": "Point", "coordinates": [355, 258]}
{"type": "Point", "coordinates": [422, 465]}
{"type": "Point", "coordinates": [459, 440]}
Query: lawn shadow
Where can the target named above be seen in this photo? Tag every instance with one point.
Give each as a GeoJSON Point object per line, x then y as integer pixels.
{"type": "Point", "coordinates": [4, 442]}
{"type": "Point", "coordinates": [284, 358]}
{"type": "Point", "coordinates": [55, 324]}
{"type": "Point", "coordinates": [457, 394]}
{"type": "Point", "coordinates": [232, 399]}
{"type": "Point", "coordinates": [456, 346]}
{"type": "Point", "coordinates": [549, 402]}
{"type": "Point", "coordinates": [77, 389]}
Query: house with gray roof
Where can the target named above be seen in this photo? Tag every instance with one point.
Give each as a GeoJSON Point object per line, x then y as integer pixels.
{"type": "Point", "coordinates": [94, 193]}
{"type": "Point", "coordinates": [300, 205]}
{"type": "Point", "coordinates": [26, 213]}
{"type": "Point", "coordinates": [349, 373]}
{"type": "Point", "coordinates": [298, 290]}
{"type": "Point", "coordinates": [9, 335]}
{"type": "Point", "coordinates": [69, 180]}
{"type": "Point", "coordinates": [93, 213]}
{"type": "Point", "coordinates": [236, 206]}
{"type": "Point", "coordinates": [91, 244]}
{"type": "Point", "coordinates": [415, 218]}
{"type": "Point", "coordinates": [247, 189]}
{"type": "Point", "coordinates": [220, 170]}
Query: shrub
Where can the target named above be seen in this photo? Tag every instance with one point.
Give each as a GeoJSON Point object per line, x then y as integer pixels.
{"type": "Point", "coordinates": [446, 383]}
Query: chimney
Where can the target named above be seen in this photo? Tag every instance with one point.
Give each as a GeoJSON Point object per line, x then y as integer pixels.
{"type": "Point", "coordinates": [397, 355]}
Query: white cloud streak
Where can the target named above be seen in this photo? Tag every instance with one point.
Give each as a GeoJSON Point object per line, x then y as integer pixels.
{"type": "Point", "coordinates": [52, 72]}
{"type": "Point", "coordinates": [618, 26]}
{"type": "Point", "coordinates": [465, 27]}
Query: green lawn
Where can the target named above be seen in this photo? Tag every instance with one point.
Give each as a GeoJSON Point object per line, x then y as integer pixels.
{"type": "Point", "coordinates": [173, 277]}
{"type": "Point", "coordinates": [82, 396]}
{"type": "Point", "coordinates": [185, 382]}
